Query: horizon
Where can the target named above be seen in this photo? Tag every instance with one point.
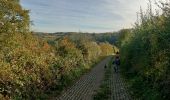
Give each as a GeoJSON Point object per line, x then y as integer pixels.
{"type": "Point", "coordinates": [82, 16]}
{"type": "Point", "coordinates": [77, 32]}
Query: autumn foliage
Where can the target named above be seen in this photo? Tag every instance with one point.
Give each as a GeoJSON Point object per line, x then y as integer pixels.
{"type": "Point", "coordinates": [30, 68]}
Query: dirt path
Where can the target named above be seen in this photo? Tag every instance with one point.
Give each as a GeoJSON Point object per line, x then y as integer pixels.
{"type": "Point", "coordinates": [118, 87]}
{"type": "Point", "coordinates": [84, 88]}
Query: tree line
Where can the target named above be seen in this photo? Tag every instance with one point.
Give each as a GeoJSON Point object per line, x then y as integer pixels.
{"type": "Point", "coordinates": [145, 53]}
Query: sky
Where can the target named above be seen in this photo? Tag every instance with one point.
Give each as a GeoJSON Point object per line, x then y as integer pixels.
{"type": "Point", "coordinates": [82, 15]}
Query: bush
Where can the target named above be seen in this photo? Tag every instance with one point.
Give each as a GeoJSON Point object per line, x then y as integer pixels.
{"type": "Point", "coordinates": [145, 55]}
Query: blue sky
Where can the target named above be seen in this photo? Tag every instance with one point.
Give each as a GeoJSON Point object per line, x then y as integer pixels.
{"type": "Point", "coordinates": [83, 15]}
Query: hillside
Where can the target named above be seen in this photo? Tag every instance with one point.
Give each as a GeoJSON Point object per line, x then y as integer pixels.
{"type": "Point", "coordinates": [110, 37]}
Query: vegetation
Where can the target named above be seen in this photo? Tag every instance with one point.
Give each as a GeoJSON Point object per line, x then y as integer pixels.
{"type": "Point", "coordinates": [145, 54]}
{"type": "Point", "coordinates": [30, 67]}
{"type": "Point", "coordinates": [110, 37]}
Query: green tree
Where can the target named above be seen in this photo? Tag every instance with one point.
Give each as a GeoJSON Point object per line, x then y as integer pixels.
{"type": "Point", "coordinates": [145, 55]}
{"type": "Point", "coordinates": [13, 17]}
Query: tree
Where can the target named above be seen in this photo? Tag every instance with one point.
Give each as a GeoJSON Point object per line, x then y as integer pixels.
{"type": "Point", "coordinates": [106, 48]}
{"type": "Point", "coordinates": [13, 17]}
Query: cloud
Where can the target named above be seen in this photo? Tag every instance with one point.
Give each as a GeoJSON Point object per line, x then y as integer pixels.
{"type": "Point", "coordinates": [87, 15]}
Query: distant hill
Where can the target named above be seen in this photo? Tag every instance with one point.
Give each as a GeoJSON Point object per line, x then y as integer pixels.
{"type": "Point", "coordinates": [110, 37]}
